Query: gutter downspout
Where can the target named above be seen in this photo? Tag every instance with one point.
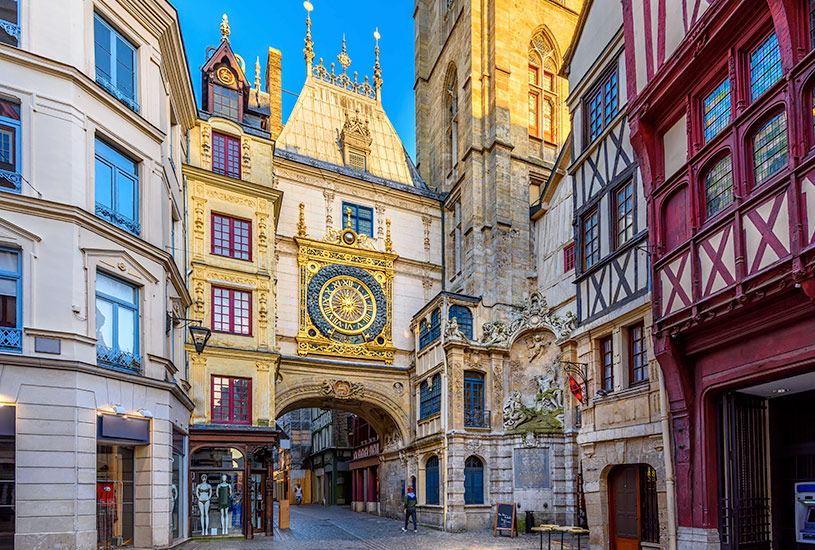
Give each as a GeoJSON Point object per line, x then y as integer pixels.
{"type": "Point", "coordinates": [445, 416]}
{"type": "Point", "coordinates": [667, 452]}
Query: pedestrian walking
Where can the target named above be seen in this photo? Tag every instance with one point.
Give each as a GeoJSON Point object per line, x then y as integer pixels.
{"type": "Point", "coordinates": [298, 495]}
{"type": "Point", "coordinates": [410, 508]}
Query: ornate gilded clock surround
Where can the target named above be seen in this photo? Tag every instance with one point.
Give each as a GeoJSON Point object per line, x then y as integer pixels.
{"type": "Point", "coordinates": [346, 291]}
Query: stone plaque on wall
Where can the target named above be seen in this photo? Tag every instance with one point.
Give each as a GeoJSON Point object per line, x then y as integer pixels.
{"type": "Point", "coordinates": [531, 468]}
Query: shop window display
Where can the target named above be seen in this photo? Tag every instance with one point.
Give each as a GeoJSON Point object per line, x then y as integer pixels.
{"type": "Point", "coordinates": [217, 492]}
{"type": "Point", "coordinates": [114, 496]}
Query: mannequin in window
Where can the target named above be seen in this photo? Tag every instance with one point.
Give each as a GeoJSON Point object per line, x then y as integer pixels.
{"type": "Point", "coordinates": [203, 492]}
{"type": "Point", "coordinates": [224, 493]}
{"type": "Point", "coordinates": [174, 500]}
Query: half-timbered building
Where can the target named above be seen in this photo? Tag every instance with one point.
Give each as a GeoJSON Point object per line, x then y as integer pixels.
{"type": "Point", "coordinates": [621, 437]}
{"type": "Point", "coordinates": [721, 119]}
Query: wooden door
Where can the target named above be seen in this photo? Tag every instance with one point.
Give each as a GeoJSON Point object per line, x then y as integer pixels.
{"type": "Point", "coordinates": [624, 508]}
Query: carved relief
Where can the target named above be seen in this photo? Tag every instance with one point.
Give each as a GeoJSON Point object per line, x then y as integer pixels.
{"type": "Point", "coordinates": [380, 216]}
{"type": "Point", "coordinates": [329, 209]}
{"type": "Point", "coordinates": [246, 168]}
{"type": "Point", "coordinates": [535, 315]}
{"type": "Point", "coordinates": [398, 388]}
{"type": "Point", "coordinates": [343, 389]}
{"type": "Point", "coordinates": [199, 299]}
{"type": "Point", "coordinates": [427, 221]}
{"type": "Point", "coordinates": [206, 147]}
{"type": "Point", "coordinates": [546, 414]}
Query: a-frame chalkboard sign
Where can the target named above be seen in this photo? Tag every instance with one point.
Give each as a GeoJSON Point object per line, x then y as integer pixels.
{"type": "Point", "coordinates": [505, 519]}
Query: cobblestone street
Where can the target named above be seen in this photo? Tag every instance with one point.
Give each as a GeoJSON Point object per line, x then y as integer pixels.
{"type": "Point", "coordinates": [337, 528]}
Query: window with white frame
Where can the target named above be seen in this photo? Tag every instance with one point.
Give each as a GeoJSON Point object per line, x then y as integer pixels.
{"type": "Point", "coordinates": [117, 323]}
{"type": "Point", "coordinates": [115, 61]}
{"type": "Point", "coordinates": [10, 144]}
{"type": "Point", "coordinates": [11, 331]}
{"type": "Point", "coordinates": [9, 22]}
{"type": "Point", "coordinates": [117, 187]}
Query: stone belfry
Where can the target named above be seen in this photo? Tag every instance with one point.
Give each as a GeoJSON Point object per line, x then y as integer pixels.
{"type": "Point", "coordinates": [490, 117]}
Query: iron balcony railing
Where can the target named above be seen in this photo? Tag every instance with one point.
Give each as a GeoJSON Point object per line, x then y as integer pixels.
{"type": "Point", "coordinates": [11, 180]}
{"type": "Point", "coordinates": [476, 418]}
{"type": "Point", "coordinates": [117, 219]}
{"type": "Point", "coordinates": [118, 359]}
{"type": "Point", "coordinates": [11, 339]}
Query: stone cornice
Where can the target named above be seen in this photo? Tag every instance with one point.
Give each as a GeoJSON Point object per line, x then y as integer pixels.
{"type": "Point", "coordinates": [73, 214]}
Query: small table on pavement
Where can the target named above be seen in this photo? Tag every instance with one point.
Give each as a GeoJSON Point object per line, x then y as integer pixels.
{"type": "Point", "coordinates": [562, 530]}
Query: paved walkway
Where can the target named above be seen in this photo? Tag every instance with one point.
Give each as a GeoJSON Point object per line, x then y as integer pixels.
{"type": "Point", "coordinates": [338, 528]}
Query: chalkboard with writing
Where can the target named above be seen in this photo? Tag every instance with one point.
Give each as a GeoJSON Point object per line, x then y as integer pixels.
{"type": "Point", "coordinates": [505, 519]}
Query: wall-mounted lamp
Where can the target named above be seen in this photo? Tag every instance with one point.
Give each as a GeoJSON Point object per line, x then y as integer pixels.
{"type": "Point", "coordinates": [198, 332]}
{"type": "Point", "coordinates": [145, 413]}
{"type": "Point", "coordinates": [118, 409]}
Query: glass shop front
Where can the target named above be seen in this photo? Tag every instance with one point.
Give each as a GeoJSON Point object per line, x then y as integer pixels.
{"type": "Point", "coordinates": [217, 492]}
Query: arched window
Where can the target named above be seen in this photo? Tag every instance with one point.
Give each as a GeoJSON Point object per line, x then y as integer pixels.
{"type": "Point", "coordinates": [542, 93]}
{"type": "Point", "coordinates": [451, 118]}
{"type": "Point", "coordinates": [431, 480]}
{"type": "Point", "coordinates": [770, 148]}
{"type": "Point", "coordinates": [474, 414]}
{"type": "Point", "coordinates": [473, 481]}
{"type": "Point", "coordinates": [718, 186]}
{"type": "Point", "coordinates": [464, 318]}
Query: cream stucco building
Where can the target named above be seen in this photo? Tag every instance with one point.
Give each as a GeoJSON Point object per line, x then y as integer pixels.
{"type": "Point", "coordinates": [92, 377]}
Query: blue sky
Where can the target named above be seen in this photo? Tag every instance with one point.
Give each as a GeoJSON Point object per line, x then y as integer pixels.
{"type": "Point", "coordinates": [257, 25]}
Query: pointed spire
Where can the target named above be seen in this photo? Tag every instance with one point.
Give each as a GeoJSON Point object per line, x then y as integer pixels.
{"type": "Point", "coordinates": [348, 217]}
{"type": "Point", "coordinates": [257, 73]}
{"type": "Point", "coordinates": [301, 225]}
{"type": "Point", "coordinates": [388, 241]}
{"type": "Point", "coordinates": [309, 49]}
{"type": "Point", "coordinates": [224, 29]}
{"type": "Point", "coordinates": [343, 58]}
{"type": "Point", "coordinates": [377, 69]}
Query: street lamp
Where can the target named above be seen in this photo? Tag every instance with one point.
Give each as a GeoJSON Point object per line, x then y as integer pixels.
{"type": "Point", "coordinates": [198, 332]}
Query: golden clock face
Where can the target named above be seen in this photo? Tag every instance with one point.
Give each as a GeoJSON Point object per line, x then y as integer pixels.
{"type": "Point", "coordinates": [225, 76]}
{"type": "Point", "coordinates": [347, 304]}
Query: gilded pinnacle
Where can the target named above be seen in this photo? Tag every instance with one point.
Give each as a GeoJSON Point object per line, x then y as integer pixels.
{"type": "Point", "coordinates": [308, 51]}
{"type": "Point", "coordinates": [343, 58]}
{"type": "Point", "coordinates": [225, 29]}
{"type": "Point", "coordinates": [348, 215]}
{"type": "Point", "coordinates": [301, 225]}
{"type": "Point", "coordinates": [388, 241]}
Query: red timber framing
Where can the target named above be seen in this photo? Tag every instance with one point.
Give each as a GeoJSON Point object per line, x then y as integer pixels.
{"type": "Point", "coordinates": [733, 292]}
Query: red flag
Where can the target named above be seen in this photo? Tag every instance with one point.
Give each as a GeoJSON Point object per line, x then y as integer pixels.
{"type": "Point", "coordinates": [576, 388]}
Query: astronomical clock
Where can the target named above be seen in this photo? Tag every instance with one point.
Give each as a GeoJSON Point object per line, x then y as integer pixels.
{"type": "Point", "coordinates": [346, 287]}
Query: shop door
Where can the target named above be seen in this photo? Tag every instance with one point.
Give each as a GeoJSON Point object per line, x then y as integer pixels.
{"type": "Point", "coordinates": [256, 493]}
{"type": "Point", "coordinates": [744, 521]}
{"type": "Point", "coordinates": [624, 508]}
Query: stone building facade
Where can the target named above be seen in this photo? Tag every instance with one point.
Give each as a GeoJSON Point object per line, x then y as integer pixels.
{"type": "Point", "coordinates": [92, 377]}
{"type": "Point", "coordinates": [233, 214]}
{"type": "Point", "coordinates": [624, 430]}
{"type": "Point", "coordinates": [494, 422]}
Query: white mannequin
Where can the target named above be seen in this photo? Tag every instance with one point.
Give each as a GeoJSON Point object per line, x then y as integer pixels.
{"type": "Point", "coordinates": [203, 491]}
{"type": "Point", "coordinates": [223, 504]}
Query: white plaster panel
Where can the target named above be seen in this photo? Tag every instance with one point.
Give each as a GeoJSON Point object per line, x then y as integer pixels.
{"type": "Point", "coordinates": [675, 146]}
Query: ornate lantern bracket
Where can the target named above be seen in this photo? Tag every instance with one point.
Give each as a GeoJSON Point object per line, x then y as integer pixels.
{"type": "Point", "coordinates": [578, 379]}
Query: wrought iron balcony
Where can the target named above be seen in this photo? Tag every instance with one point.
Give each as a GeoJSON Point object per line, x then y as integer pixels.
{"type": "Point", "coordinates": [117, 219]}
{"type": "Point", "coordinates": [474, 418]}
{"type": "Point", "coordinates": [11, 339]}
{"type": "Point", "coordinates": [118, 94]}
{"type": "Point", "coordinates": [11, 28]}
{"type": "Point", "coordinates": [11, 180]}
{"type": "Point", "coordinates": [118, 359]}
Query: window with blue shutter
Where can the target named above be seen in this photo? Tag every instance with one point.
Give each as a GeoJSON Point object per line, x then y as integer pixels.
{"type": "Point", "coordinates": [115, 61]}
{"type": "Point", "coordinates": [474, 416]}
{"type": "Point", "coordinates": [464, 318]}
{"type": "Point", "coordinates": [473, 481]}
{"type": "Point", "coordinates": [117, 188]}
{"type": "Point", "coordinates": [362, 218]}
{"type": "Point", "coordinates": [431, 480]}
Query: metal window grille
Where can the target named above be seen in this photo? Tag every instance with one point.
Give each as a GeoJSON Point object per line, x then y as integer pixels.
{"type": "Point", "coordinates": [770, 148]}
{"type": "Point", "coordinates": [474, 400]}
{"type": "Point", "coordinates": [226, 155]}
{"type": "Point", "coordinates": [716, 108]}
{"type": "Point", "coordinates": [591, 239]}
{"type": "Point", "coordinates": [473, 481]}
{"type": "Point", "coordinates": [431, 479]}
{"type": "Point", "coordinates": [231, 237]}
{"type": "Point", "coordinates": [639, 355]}
{"type": "Point", "coordinates": [225, 102]}
{"type": "Point", "coordinates": [356, 161]}
{"type": "Point", "coordinates": [649, 505]}
{"type": "Point", "coordinates": [362, 218]}
{"type": "Point", "coordinates": [765, 66]}
{"type": "Point", "coordinates": [464, 318]}
{"type": "Point", "coordinates": [231, 310]}
{"type": "Point", "coordinates": [607, 363]}
{"type": "Point", "coordinates": [624, 200]}
{"type": "Point", "coordinates": [718, 186]}
{"type": "Point", "coordinates": [231, 400]}
{"type": "Point", "coordinates": [9, 23]}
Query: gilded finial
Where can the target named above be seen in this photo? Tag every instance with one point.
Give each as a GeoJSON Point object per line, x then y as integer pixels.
{"type": "Point", "coordinates": [343, 58]}
{"type": "Point", "coordinates": [377, 68]}
{"type": "Point", "coordinates": [301, 225]}
{"type": "Point", "coordinates": [225, 29]}
{"type": "Point", "coordinates": [257, 73]}
{"type": "Point", "coordinates": [309, 49]}
{"type": "Point", "coordinates": [388, 241]}
{"type": "Point", "coordinates": [348, 217]}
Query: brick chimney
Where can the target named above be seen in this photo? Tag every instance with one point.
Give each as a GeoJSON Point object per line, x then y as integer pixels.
{"type": "Point", "coordinates": [274, 87]}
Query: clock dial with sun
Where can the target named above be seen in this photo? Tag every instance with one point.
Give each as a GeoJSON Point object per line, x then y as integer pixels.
{"type": "Point", "coordinates": [346, 304]}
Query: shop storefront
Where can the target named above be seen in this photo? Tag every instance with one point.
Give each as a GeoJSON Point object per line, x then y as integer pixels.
{"type": "Point", "coordinates": [118, 437]}
{"type": "Point", "coordinates": [7, 475]}
{"type": "Point", "coordinates": [179, 486]}
{"type": "Point", "coordinates": [365, 478]}
{"type": "Point", "coordinates": [228, 491]}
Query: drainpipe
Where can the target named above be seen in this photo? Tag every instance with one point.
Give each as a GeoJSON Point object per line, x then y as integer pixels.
{"type": "Point", "coordinates": [444, 411]}
{"type": "Point", "coordinates": [667, 451]}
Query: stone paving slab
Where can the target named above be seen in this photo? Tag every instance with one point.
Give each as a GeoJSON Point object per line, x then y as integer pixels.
{"type": "Point", "coordinates": [338, 528]}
